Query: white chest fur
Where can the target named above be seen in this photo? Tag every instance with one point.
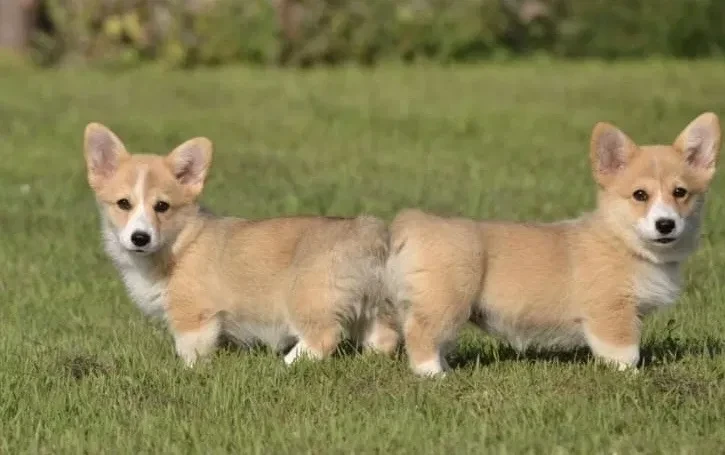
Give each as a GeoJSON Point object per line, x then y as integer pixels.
{"type": "Point", "coordinates": [148, 293]}
{"type": "Point", "coordinates": [141, 278]}
{"type": "Point", "coordinates": [657, 285]}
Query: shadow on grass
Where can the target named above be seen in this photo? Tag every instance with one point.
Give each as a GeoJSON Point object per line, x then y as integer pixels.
{"type": "Point", "coordinates": [657, 352]}
{"type": "Point", "coordinates": [345, 348]}
{"type": "Point", "coordinates": [653, 353]}
{"type": "Point", "coordinates": [671, 349]}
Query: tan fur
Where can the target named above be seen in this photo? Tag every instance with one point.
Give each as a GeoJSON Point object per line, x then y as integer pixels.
{"type": "Point", "coordinates": [303, 280]}
{"type": "Point", "coordinates": [586, 281]}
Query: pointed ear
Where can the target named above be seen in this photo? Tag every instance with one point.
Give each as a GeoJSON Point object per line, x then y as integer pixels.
{"type": "Point", "coordinates": [610, 151]}
{"type": "Point", "coordinates": [103, 151]}
{"type": "Point", "coordinates": [190, 162]}
{"type": "Point", "coordinates": [699, 143]}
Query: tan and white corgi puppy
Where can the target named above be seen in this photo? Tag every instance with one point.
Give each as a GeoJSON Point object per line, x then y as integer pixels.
{"type": "Point", "coordinates": [302, 281]}
{"type": "Point", "coordinates": [586, 281]}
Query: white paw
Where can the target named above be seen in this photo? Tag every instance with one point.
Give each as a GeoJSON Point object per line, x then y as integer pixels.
{"type": "Point", "coordinates": [623, 366]}
{"type": "Point", "coordinates": [198, 343]}
{"type": "Point", "coordinates": [621, 357]}
{"type": "Point", "coordinates": [292, 355]}
{"type": "Point", "coordinates": [189, 358]}
{"type": "Point", "coordinates": [431, 368]}
{"type": "Point", "coordinates": [300, 350]}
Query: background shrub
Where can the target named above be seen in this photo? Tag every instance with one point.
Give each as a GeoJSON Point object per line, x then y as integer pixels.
{"type": "Point", "coordinates": [640, 28]}
{"type": "Point", "coordinates": [305, 32]}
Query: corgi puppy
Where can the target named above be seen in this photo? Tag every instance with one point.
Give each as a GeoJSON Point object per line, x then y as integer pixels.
{"type": "Point", "coordinates": [304, 282]}
{"type": "Point", "coordinates": [586, 281]}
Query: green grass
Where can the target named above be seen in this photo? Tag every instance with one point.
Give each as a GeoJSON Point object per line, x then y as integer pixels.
{"type": "Point", "coordinates": [82, 371]}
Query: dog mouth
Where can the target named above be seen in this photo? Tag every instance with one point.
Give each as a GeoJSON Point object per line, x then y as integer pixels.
{"type": "Point", "coordinates": [140, 251]}
{"type": "Point", "coordinates": [665, 240]}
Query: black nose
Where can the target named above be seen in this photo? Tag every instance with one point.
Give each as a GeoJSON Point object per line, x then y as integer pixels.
{"type": "Point", "coordinates": [140, 238]}
{"type": "Point", "coordinates": [665, 225]}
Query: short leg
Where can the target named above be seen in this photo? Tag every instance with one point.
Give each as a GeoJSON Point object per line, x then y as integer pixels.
{"type": "Point", "coordinates": [316, 342]}
{"type": "Point", "coordinates": [313, 307]}
{"type": "Point", "coordinates": [427, 342]}
{"type": "Point", "coordinates": [382, 335]}
{"type": "Point", "coordinates": [614, 337]}
{"type": "Point", "coordinates": [435, 317]}
{"type": "Point", "coordinates": [194, 341]}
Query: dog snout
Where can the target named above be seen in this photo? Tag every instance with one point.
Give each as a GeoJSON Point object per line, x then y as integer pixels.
{"type": "Point", "coordinates": [140, 238]}
{"type": "Point", "coordinates": [665, 225]}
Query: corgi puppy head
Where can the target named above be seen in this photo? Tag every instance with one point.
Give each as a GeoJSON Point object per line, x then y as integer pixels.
{"type": "Point", "coordinates": [145, 200]}
{"type": "Point", "coordinates": [652, 195]}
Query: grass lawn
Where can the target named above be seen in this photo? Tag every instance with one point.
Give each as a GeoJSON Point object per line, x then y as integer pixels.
{"type": "Point", "coordinates": [81, 371]}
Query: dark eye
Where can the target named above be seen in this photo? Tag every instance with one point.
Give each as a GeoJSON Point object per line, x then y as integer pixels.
{"type": "Point", "coordinates": [123, 204]}
{"type": "Point", "coordinates": [640, 195]}
{"type": "Point", "coordinates": [679, 192]}
{"type": "Point", "coordinates": [161, 207]}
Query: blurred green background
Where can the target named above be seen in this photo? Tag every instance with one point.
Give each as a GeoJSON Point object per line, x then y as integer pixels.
{"type": "Point", "coordinates": [305, 32]}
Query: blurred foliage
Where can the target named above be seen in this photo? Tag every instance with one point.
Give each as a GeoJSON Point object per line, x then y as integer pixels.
{"type": "Point", "coordinates": [178, 33]}
{"type": "Point", "coordinates": [639, 28]}
{"type": "Point", "coordinates": [303, 32]}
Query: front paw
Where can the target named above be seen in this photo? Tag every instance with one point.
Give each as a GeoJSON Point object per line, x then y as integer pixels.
{"type": "Point", "coordinates": [193, 345]}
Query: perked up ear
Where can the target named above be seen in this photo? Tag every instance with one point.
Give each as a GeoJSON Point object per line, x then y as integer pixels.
{"type": "Point", "coordinates": [103, 151]}
{"type": "Point", "coordinates": [190, 162]}
{"type": "Point", "coordinates": [699, 144]}
{"type": "Point", "coordinates": [610, 151]}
